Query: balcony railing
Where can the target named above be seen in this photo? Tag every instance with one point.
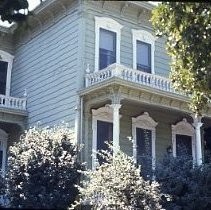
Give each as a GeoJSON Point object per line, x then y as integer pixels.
{"type": "Point", "coordinates": [132, 75]}
{"type": "Point", "coordinates": [12, 103]}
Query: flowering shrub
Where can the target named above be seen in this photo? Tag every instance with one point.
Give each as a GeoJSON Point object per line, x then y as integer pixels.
{"type": "Point", "coordinates": [117, 184]}
{"type": "Point", "coordinates": [42, 169]}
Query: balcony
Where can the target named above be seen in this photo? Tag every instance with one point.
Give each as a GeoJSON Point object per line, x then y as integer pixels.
{"type": "Point", "coordinates": [12, 103]}
{"type": "Point", "coordinates": [130, 75]}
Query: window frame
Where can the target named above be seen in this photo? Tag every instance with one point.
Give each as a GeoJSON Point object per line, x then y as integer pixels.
{"type": "Point", "coordinates": [110, 25]}
{"type": "Point", "coordinates": [146, 37]}
{"type": "Point", "coordinates": [6, 57]}
{"type": "Point", "coordinates": [183, 128]}
{"type": "Point", "coordinates": [144, 121]}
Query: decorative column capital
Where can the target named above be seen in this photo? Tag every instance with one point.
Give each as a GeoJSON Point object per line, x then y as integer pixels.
{"type": "Point", "coordinates": [197, 121]}
{"type": "Point", "coordinates": [115, 106]}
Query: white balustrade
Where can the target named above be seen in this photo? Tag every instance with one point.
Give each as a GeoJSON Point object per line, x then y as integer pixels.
{"type": "Point", "coordinates": [12, 102]}
{"type": "Point", "coordinates": [128, 74]}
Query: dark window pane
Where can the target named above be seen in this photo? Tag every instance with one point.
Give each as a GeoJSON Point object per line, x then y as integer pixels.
{"type": "Point", "coordinates": [143, 54]}
{"type": "Point", "coordinates": [104, 134]}
{"type": "Point", "coordinates": [3, 77]}
{"type": "Point", "coordinates": [144, 150]}
{"type": "Point", "coordinates": [183, 145]}
{"type": "Point", "coordinates": [107, 49]}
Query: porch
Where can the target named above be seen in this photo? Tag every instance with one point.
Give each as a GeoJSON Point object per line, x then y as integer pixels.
{"type": "Point", "coordinates": [131, 108]}
{"type": "Point", "coordinates": [13, 116]}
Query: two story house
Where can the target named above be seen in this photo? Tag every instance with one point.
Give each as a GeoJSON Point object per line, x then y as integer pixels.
{"type": "Point", "coordinates": [98, 66]}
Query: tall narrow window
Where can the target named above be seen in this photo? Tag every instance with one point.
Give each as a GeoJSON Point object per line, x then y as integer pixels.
{"type": "Point", "coordinates": [3, 148]}
{"type": "Point", "coordinates": [107, 48]}
{"type": "Point", "coordinates": [107, 42]}
{"type": "Point", "coordinates": [3, 77]}
{"type": "Point", "coordinates": [144, 150]}
{"type": "Point", "coordinates": [104, 134]}
{"type": "Point", "coordinates": [144, 135]}
{"type": "Point", "coordinates": [143, 51]}
{"type": "Point", "coordinates": [143, 54]}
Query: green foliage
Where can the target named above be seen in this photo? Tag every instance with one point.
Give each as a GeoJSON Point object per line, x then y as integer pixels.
{"type": "Point", "coordinates": [42, 169]}
{"type": "Point", "coordinates": [117, 184]}
{"type": "Point", "coordinates": [10, 10]}
{"type": "Point", "coordinates": [186, 187]}
{"type": "Point", "coordinates": [187, 27]}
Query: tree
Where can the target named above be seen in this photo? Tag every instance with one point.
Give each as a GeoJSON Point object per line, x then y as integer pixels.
{"type": "Point", "coordinates": [10, 10]}
{"type": "Point", "coordinates": [187, 28]}
{"type": "Point", "coordinates": [117, 184]}
{"type": "Point", "coordinates": [42, 169]}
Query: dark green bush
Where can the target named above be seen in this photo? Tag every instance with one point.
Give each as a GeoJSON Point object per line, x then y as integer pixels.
{"type": "Point", "coordinates": [185, 187]}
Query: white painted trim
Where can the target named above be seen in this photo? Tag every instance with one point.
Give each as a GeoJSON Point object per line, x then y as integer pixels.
{"type": "Point", "coordinates": [3, 147]}
{"type": "Point", "coordinates": [146, 37]}
{"type": "Point", "coordinates": [144, 121]}
{"type": "Point", "coordinates": [4, 56]}
{"type": "Point", "coordinates": [111, 25]}
{"type": "Point", "coordinates": [183, 128]}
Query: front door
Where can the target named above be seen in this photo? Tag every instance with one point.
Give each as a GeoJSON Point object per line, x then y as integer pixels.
{"type": "Point", "coordinates": [104, 134]}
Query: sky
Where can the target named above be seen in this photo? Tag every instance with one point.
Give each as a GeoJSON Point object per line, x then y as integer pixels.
{"type": "Point", "coordinates": [35, 3]}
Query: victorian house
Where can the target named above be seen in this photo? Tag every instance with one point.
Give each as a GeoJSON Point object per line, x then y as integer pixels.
{"type": "Point", "coordinates": [98, 66]}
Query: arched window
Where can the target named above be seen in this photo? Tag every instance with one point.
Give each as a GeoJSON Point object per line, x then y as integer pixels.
{"type": "Point", "coordinates": [102, 128]}
{"type": "Point", "coordinates": [144, 135]}
{"type": "Point", "coordinates": [183, 138]}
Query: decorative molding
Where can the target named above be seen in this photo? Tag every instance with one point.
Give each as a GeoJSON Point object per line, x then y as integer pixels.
{"type": "Point", "coordinates": [144, 121]}
{"type": "Point", "coordinates": [123, 8]}
{"type": "Point", "coordinates": [146, 37]}
{"type": "Point", "coordinates": [4, 56]}
{"type": "Point", "coordinates": [111, 25]}
{"type": "Point", "coordinates": [183, 128]}
{"type": "Point", "coordinates": [116, 96]}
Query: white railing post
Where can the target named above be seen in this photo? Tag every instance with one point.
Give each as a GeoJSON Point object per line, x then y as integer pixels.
{"type": "Point", "coordinates": [12, 102]}
{"type": "Point", "coordinates": [128, 74]}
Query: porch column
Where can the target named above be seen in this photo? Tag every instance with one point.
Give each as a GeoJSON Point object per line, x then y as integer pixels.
{"type": "Point", "coordinates": [197, 125]}
{"type": "Point", "coordinates": [116, 129]}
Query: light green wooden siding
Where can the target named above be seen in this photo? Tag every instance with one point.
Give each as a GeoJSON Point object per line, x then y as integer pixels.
{"type": "Point", "coordinates": [129, 22]}
{"type": "Point", "coordinates": [47, 66]}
